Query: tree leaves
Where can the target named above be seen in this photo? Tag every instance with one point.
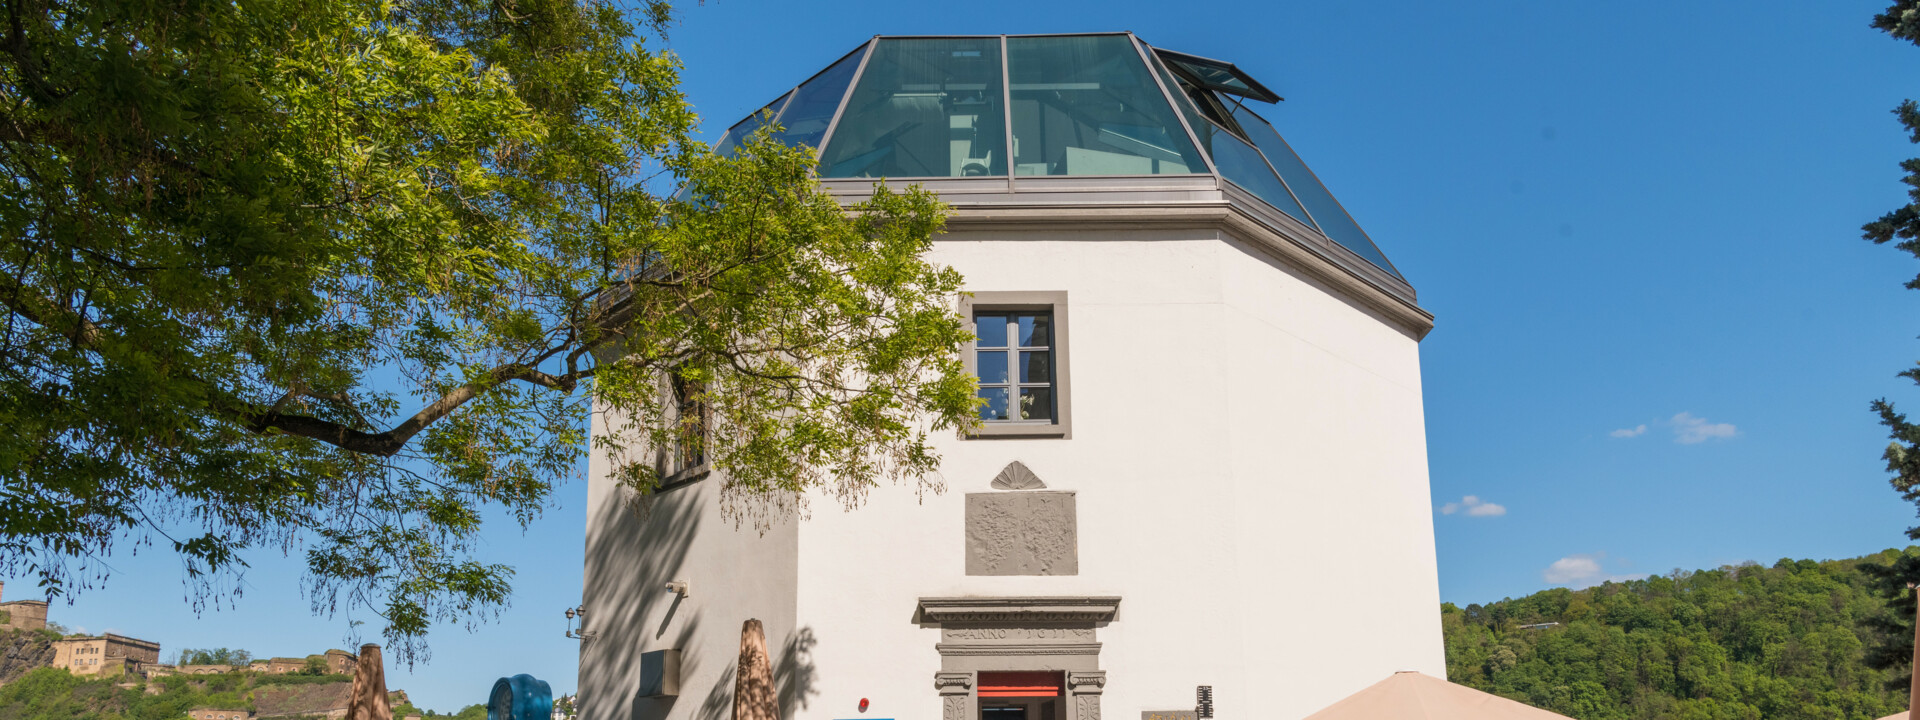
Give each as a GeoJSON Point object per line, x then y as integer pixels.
{"type": "Point", "coordinates": [1787, 641]}
{"type": "Point", "coordinates": [337, 277]}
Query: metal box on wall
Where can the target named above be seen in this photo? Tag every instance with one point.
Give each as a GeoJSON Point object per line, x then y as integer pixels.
{"type": "Point", "coordinates": [660, 673]}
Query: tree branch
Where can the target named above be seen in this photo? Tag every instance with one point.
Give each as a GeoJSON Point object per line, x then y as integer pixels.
{"type": "Point", "coordinates": [30, 304]}
{"type": "Point", "coordinates": [391, 442]}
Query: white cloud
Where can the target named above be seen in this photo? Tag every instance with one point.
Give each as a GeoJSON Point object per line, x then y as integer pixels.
{"type": "Point", "coordinates": [1487, 510]}
{"type": "Point", "coordinates": [1475, 507]}
{"type": "Point", "coordinates": [1582, 571]}
{"type": "Point", "coordinates": [1690, 430]}
{"type": "Point", "coordinates": [1635, 431]}
{"type": "Point", "coordinates": [1572, 569]}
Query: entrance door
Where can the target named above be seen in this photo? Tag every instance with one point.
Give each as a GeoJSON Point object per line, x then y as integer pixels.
{"type": "Point", "coordinates": [1020, 695]}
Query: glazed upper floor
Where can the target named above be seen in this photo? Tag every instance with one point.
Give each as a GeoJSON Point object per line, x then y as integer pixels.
{"type": "Point", "coordinates": [1063, 120]}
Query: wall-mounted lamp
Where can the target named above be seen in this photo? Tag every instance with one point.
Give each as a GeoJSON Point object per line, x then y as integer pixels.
{"type": "Point", "coordinates": [678, 587]}
{"type": "Point", "coordinates": [582, 633]}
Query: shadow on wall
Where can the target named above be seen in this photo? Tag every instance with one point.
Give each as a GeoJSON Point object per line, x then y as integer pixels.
{"type": "Point", "coordinates": [793, 675]}
{"type": "Point", "coordinates": [630, 559]}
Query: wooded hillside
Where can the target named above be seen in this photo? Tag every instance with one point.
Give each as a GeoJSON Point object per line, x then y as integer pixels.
{"type": "Point", "coordinates": [49, 693]}
{"type": "Point", "coordinates": [1738, 643]}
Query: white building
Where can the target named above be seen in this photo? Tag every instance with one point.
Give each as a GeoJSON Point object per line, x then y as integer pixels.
{"type": "Point", "coordinates": [1206, 462]}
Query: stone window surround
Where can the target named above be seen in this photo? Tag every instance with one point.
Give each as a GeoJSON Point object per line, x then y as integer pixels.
{"type": "Point", "coordinates": [1054, 301]}
{"type": "Point", "coordinates": [668, 457]}
{"type": "Point", "coordinates": [991, 634]}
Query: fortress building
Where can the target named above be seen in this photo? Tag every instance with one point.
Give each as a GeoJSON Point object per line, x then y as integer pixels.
{"type": "Point", "coordinates": [22, 614]}
{"type": "Point", "coordinates": [1203, 462]}
{"type": "Point", "coordinates": [108, 654]}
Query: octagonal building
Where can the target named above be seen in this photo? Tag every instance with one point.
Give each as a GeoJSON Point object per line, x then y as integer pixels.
{"type": "Point", "coordinates": [1203, 462]}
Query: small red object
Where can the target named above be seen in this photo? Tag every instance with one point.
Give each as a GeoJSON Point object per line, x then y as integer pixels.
{"type": "Point", "coordinates": [863, 704]}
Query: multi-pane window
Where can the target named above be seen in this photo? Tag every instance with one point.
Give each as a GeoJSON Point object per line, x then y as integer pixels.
{"type": "Point", "coordinates": [1015, 361]}
{"type": "Point", "coordinates": [690, 410]}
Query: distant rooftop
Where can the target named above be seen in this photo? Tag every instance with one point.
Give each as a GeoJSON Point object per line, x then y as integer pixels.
{"type": "Point", "coordinates": [978, 117]}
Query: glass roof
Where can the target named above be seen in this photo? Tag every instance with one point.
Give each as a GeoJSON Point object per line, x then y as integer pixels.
{"type": "Point", "coordinates": [1095, 105]}
{"type": "Point", "coordinates": [1218, 76]}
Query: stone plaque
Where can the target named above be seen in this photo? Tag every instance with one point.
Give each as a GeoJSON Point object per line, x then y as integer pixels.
{"type": "Point", "coordinates": [1168, 715]}
{"type": "Point", "coordinates": [1026, 533]}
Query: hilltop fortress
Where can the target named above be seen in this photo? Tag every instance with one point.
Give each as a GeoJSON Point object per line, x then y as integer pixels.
{"type": "Point", "coordinates": [22, 614]}
{"type": "Point", "coordinates": [111, 654]}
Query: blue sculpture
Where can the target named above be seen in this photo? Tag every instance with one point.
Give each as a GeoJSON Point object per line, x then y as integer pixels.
{"type": "Point", "coordinates": [520, 697]}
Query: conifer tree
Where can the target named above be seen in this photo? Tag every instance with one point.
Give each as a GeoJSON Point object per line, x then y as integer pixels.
{"type": "Point", "coordinates": [1901, 228]}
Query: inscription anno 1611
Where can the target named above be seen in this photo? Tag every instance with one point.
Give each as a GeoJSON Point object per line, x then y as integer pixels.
{"type": "Point", "coordinates": [1167, 715]}
{"type": "Point", "coordinates": [1019, 634]}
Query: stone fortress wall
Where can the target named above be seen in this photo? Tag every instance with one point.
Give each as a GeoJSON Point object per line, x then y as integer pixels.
{"type": "Point", "coordinates": [113, 655]}
{"type": "Point", "coordinates": [22, 614]}
{"type": "Point", "coordinates": [107, 654]}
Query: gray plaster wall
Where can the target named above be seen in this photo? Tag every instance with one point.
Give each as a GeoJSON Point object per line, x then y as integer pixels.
{"type": "Point", "coordinates": [735, 573]}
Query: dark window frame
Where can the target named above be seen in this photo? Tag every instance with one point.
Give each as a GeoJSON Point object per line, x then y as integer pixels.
{"type": "Point", "coordinates": [1002, 303]}
{"type": "Point", "coordinates": [678, 468]}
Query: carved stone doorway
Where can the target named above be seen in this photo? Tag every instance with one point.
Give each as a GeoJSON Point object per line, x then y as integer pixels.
{"type": "Point", "coordinates": [1009, 637]}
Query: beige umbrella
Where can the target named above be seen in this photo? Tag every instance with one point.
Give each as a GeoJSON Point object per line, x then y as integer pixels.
{"type": "Point", "coordinates": [369, 698]}
{"type": "Point", "coordinates": [754, 697]}
{"type": "Point", "coordinates": [1412, 696]}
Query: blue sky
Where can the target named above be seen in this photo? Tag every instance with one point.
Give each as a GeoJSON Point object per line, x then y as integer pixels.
{"type": "Point", "coordinates": [1624, 215]}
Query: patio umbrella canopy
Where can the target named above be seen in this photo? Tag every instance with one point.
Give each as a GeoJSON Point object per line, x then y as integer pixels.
{"type": "Point", "coordinates": [1412, 696]}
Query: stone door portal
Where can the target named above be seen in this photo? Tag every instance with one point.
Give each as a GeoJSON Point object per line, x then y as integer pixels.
{"type": "Point", "coordinates": [1019, 658]}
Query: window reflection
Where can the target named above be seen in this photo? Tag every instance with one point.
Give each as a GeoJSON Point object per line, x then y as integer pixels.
{"type": "Point", "coordinates": [1024, 391]}
{"type": "Point", "coordinates": [996, 405]}
{"type": "Point", "coordinates": [1244, 166]}
{"type": "Point", "coordinates": [1034, 330]}
{"type": "Point", "coordinates": [1327, 212]}
{"type": "Point", "coordinates": [738, 134]}
{"type": "Point", "coordinates": [924, 107]}
{"type": "Point", "coordinates": [1088, 106]}
{"type": "Point", "coordinates": [805, 120]}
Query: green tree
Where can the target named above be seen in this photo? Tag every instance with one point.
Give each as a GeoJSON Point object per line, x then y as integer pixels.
{"type": "Point", "coordinates": [1893, 647]}
{"type": "Point", "coordinates": [1787, 641]}
{"type": "Point", "coordinates": [343, 274]}
{"type": "Point", "coordinates": [214, 656]}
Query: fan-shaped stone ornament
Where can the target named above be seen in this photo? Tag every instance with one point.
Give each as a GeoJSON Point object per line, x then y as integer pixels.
{"type": "Point", "coordinates": [1016, 476]}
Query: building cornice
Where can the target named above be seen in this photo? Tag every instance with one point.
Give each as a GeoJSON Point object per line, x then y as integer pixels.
{"type": "Point", "coordinates": [1009, 610]}
{"type": "Point", "coordinates": [1392, 299]}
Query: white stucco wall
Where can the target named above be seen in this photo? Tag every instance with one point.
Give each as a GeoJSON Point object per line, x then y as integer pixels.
{"type": "Point", "coordinates": [1249, 459]}
{"type": "Point", "coordinates": [735, 573]}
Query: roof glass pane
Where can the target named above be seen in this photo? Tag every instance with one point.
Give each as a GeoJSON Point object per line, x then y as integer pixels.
{"type": "Point", "coordinates": [740, 130]}
{"type": "Point", "coordinates": [1242, 164]}
{"type": "Point", "coordinates": [1086, 105]}
{"type": "Point", "coordinates": [1184, 104]}
{"type": "Point", "coordinates": [1327, 212]}
{"type": "Point", "coordinates": [924, 107]}
{"type": "Point", "coordinates": [806, 117]}
{"type": "Point", "coordinates": [1216, 75]}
